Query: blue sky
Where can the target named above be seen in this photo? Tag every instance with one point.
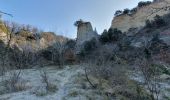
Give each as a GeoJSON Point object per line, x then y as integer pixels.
{"type": "Point", "coordinates": [59, 15]}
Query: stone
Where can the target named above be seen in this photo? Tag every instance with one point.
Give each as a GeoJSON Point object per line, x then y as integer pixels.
{"type": "Point", "coordinates": [137, 20]}
{"type": "Point", "coordinates": [85, 32]}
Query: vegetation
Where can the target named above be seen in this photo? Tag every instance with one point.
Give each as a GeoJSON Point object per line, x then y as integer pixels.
{"type": "Point", "coordinates": [112, 35]}
{"type": "Point", "coordinates": [156, 23]}
{"type": "Point", "coordinates": [77, 23]}
{"type": "Point", "coordinates": [142, 3]}
{"type": "Point", "coordinates": [133, 10]}
{"type": "Point", "coordinates": [88, 47]}
{"type": "Point", "coordinates": [108, 62]}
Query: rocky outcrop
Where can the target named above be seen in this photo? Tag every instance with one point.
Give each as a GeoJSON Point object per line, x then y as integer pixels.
{"type": "Point", "coordinates": [125, 22]}
{"type": "Point", "coordinates": [49, 38]}
{"type": "Point", "coordinates": [85, 32]}
{"type": "Point", "coordinates": [3, 37]}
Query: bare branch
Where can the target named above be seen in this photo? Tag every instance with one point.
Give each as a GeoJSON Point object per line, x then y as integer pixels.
{"type": "Point", "coordinates": [6, 13]}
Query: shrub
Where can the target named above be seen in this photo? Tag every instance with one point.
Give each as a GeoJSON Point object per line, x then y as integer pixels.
{"type": "Point", "coordinates": [151, 77]}
{"type": "Point", "coordinates": [148, 24]}
{"type": "Point", "coordinates": [104, 37]}
{"type": "Point", "coordinates": [70, 44]}
{"type": "Point", "coordinates": [112, 35]}
{"type": "Point", "coordinates": [159, 21]}
{"type": "Point", "coordinates": [23, 59]}
{"type": "Point", "coordinates": [77, 23]}
{"type": "Point", "coordinates": [118, 12]}
{"type": "Point", "coordinates": [55, 53]}
{"type": "Point", "coordinates": [48, 85]}
{"type": "Point", "coordinates": [142, 3]}
{"type": "Point", "coordinates": [134, 10]}
{"type": "Point", "coordinates": [88, 47]}
{"type": "Point", "coordinates": [12, 83]}
{"type": "Point", "coordinates": [126, 11]}
{"type": "Point", "coordinates": [156, 45]}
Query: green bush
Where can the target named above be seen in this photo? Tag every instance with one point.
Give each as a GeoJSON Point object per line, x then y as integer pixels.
{"type": "Point", "coordinates": [134, 10]}
{"type": "Point", "coordinates": [112, 35]}
{"type": "Point", "coordinates": [70, 44]}
{"type": "Point", "coordinates": [148, 24]}
{"type": "Point", "coordinates": [159, 21]}
{"type": "Point", "coordinates": [118, 12]}
{"type": "Point", "coordinates": [142, 3]}
{"type": "Point", "coordinates": [156, 45]}
{"type": "Point", "coordinates": [88, 47]}
{"type": "Point", "coordinates": [126, 11]}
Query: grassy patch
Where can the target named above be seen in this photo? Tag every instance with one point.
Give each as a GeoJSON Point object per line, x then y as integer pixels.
{"type": "Point", "coordinates": [73, 93]}
{"type": "Point", "coordinates": [9, 87]}
{"type": "Point", "coordinates": [52, 88]}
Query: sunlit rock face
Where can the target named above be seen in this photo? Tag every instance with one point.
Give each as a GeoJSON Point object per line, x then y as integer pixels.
{"type": "Point", "coordinates": [85, 32]}
{"type": "Point", "coordinates": [50, 38]}
{"type": "Point", "coordinates": [3, 37]}
{"type": "Point", "coordinates": [137, 20]}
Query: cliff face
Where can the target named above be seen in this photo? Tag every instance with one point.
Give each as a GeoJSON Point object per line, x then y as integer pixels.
{"type": "Point", "coordinates": [3, 37]}
{"type": "Point", "coordinates": [85, 32]}
{"type": "Point", "coordinates": [49, 38]}
{"type": "Point", "coordinates": [137, 20]}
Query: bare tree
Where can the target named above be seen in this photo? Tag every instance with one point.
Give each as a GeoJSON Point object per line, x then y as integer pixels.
{"type": "Point", "coordinates": [49, 86]}
{"type": "Point", "coordinates": [10, 28]}
{"type": "Point", "coordinates": [45, 79]}
{"type": "Point", "coordinates": [24, 58]}
{"type": "Point", "coordinates": [151, 77]}
{"type": "Point", "coordinates": [58, 53]}
{"type": "Point", "coordinates": [149, 71]}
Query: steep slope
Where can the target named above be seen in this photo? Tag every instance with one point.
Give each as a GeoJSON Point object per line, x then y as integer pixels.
{"type": "Point", "coordinates": [124, 22]}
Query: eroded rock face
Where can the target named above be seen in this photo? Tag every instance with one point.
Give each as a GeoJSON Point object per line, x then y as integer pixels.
{"type": "Point", "coordinates": [85, 32]}
{"type": "Point", "coordinates": [137, 20]}
{"type": "Point", "coordinates": [3, 37]}
{"type": "Point", "coordinates": [49, 38]}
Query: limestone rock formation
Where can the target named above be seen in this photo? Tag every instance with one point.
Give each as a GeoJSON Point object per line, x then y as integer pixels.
{"type": "Point", "coordinates": [49, 38]}
{"type": "Point", "coordinates": [137, 20]}
{"type": "Point", "coordinates": [85, 32]}
{"type": "Point", "coordinates": [3, 37]}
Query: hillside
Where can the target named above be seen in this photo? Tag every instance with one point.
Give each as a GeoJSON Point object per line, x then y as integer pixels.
{"type": "Point", "coordinates": [21, 36]}
{"type": "Point", "coordinates": [128, 61]}
{"type": "Point", "coordinates": [137, 19]}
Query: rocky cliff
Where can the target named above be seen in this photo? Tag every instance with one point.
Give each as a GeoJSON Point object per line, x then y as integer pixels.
{"type": "Point", "coordinates": [49, 38]}
{"type": "Point", "coordinates": [85, 32]}
{"type": "Point", "coordinates": [21, 42]}
{"type": "Point", "coordinates": [124, 22]}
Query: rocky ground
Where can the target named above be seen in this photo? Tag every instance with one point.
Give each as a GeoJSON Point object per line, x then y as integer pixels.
{"type": "Point", "coordinates": [68, 83]}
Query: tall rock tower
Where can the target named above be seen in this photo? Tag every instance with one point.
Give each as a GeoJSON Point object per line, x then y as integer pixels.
{"type": "Point", "coordinates": [85, 32]}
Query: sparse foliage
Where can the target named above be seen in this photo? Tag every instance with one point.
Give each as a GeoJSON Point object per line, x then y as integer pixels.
{"type": "Point", "coordinates": [142, 3]}
{"type": "Point", "coordinates": [118, 12]}
{"type": "Point", "coordinates": [77, 23]}
{"type": "Point", "coordinates": [88, 47]}
{"type": "Point", "coordinates": [158, 22]}
{"type": "Point", "coordinates": [112, 35]}
{"type": "Point", "coordinates": [45, 79]}
{"type": "Point", "coordinates": [126, 11]}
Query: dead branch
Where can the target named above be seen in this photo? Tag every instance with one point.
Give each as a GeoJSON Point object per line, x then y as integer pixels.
{"type": "Point", "coordinates": [6, 13]}
{"type": "Point", "coordinates": [89, 79]}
